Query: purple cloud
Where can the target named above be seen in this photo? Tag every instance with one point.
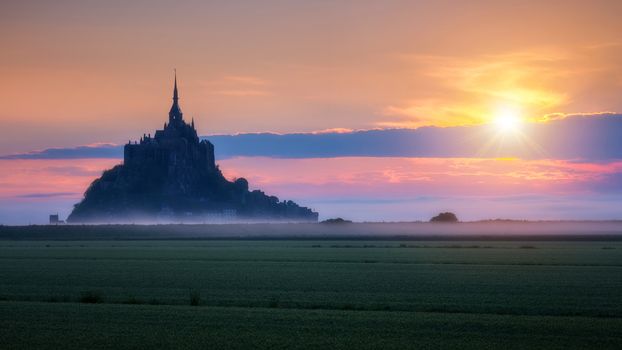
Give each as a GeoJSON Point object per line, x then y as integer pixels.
{"type": "Point", "coordinates": [588, 137]}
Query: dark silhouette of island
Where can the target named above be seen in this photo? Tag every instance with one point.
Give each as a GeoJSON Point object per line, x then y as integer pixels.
{"type": "Point", "coordinates": [173, 176]}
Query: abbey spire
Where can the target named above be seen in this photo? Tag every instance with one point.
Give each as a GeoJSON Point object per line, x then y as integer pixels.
{"type": "Point", "coordinates": [175, 113]}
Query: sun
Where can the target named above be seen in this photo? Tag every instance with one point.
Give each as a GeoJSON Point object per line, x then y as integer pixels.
{"type": "Point", "coordinates": [508, 120]}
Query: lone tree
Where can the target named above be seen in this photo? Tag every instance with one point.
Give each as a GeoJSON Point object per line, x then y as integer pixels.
{"type": "Point", "coordinates": [336, 221]}
{"type": "Point", "coordinates": [445, 217]}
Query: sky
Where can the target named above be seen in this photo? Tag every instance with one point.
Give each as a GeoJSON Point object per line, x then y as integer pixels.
{"type": "Point", "coordinates": [371, 110]}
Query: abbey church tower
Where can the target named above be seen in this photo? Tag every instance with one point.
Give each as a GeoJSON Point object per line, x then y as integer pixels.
{"type": "Point", "coordinates": [177, 145]}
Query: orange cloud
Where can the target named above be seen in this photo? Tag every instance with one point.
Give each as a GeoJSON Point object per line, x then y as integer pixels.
{"type": "Point", "coordinates": [302, 67]}
{"type": "Point", "coordinates": [467, 90]}
{"type": "Point", "coordinates": [559, 116]}
{"type": "Point", "coordinates": [238, 86]}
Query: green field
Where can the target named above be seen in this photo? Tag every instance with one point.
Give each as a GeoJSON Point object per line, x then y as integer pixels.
{"type": "Point", "coordinates": [310, 294]}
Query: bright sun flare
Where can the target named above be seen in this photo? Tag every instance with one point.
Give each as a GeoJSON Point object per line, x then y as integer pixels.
{"type": "Point", "coordinates": [508, 120]}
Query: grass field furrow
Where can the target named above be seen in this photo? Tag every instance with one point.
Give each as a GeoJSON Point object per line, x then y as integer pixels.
{"type": "Point", "coordinates": [261, 294]}
{"type": "Point", "coordinates": [367, 261]}
{"type": "Point", "coordinates": [183, 327]}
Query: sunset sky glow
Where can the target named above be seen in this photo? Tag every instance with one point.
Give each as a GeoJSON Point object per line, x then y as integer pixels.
{"type": "Point", "coordinates": [81, 73]}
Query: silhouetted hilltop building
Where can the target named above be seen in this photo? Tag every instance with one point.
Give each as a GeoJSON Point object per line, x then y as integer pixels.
{"type": "Point", "coordinates": [173, 176]}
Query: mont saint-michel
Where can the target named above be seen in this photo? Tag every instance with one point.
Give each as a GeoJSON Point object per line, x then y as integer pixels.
{"type": "Point", "coordinates": [173, 176]}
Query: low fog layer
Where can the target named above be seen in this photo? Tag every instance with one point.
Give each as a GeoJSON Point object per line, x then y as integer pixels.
{"type": "Point", "coordinates": [475, 230]}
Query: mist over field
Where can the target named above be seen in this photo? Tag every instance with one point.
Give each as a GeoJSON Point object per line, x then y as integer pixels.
{"type": "Point", "coordinates": [418, 230]}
